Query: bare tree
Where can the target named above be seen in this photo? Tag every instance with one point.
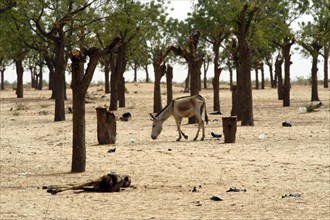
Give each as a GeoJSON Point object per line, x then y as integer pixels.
{"type": "Point", "coordinates": [80, 81]}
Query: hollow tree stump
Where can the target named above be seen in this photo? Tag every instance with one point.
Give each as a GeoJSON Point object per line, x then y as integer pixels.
{"type": "Point", "coordinates": [106, 126]}
{"type": "Point", "coordinates": [229, 129]}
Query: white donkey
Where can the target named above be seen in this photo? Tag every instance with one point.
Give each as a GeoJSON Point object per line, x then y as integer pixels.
{"type": "Point", "coordinates": [183, 107]}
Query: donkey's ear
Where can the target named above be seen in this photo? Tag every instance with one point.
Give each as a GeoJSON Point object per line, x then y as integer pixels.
{"type": "Point", "coordinates": [152, 116]}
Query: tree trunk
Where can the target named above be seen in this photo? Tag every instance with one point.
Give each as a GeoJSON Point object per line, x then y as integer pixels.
{"type": "Point", "coordinates": [169, 77]}
{"type": "Point", "coordinates": [315, 96]}
{"type": "Point", "coordinates": [187, 82]}
{"type": "Point", "coordinates": [33, 76]}
{"type": "Point", "coordinates": [244, 70]}
{"type": "Point", "coordinates": [216, 90]}
{"type": "Point", "coordinates": [80, 82]}
{"type": "Point", "coordinates": [326, 70]}
{"type": "Point", "coordinates": [78, 115]}
{"type": "Point", "coordinates": [236, 95]}
{"type": "Point", "coordinates": [257, 77]}
{"type": "Point", "coordinates": [135, 67]}
{"type": "Point", "coordinates": [158, 69]}
{"type": "Point", "coordinates": [51, 69]}
{"type": "Point", "coordinates": [147, 74]}
{"type": "Point", "coordinates": [106, 126]}
{"type": "Point", "coordinates": [59, 78]}
{"type": "Point", "coordinates": [121, 92]}
{"type": "Point", "coordinates": [40, 77]}
{"type": "Point", "coordinates": [206, 64]}
{"type": "Point", "coordinates": [19, 72]}
{"type": "Point", "coordinates": [234, 101]}
{"type": "Point", "coordinates": [116, 77]}
{"type": "Point", "coordinates": [230, 75]}
{"type": "Point", "coordinates": [270, 67]}
{"type": "Point", "coordinates": [287, 83]}
{"type": "Point", "coordinates": [262, 76]}
{"type": "Point", "coordinates": [215, 81]}
{"type": "Point", "coordinates": [278, 75]}
{"type": "Point", "coordinates": [114, 87]}
{"type": "Point", "coordinates": [195, 66]}
{"type": "Point", "coordinates": [121, 84]}
{"type": "Point", "coordinates": [245, 91]}
{"type": "Point", "coordinates": [195, 72]}
{"type": "Point", "coordinates": [2, 78]}
{"type": "Point", "coordinates": [107, 63]}
{"type": "Point", "coordinates": [78, 140]}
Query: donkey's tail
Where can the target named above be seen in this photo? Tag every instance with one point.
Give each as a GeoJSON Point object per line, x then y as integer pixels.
{"type": "Point", "coordinates": [206, 117]}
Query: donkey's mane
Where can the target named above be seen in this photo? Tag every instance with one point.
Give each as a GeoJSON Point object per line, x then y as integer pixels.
{"type": "Point", "coordinates": [162, 110]}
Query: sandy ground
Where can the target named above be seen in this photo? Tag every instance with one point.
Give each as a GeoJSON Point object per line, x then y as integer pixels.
{"type": "Point", "coordinates": [268, 161]}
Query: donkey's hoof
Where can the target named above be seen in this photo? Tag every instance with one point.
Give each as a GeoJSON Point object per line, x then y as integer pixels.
{"type": "Point", "coordinates": [185, 137]}
{"type": "Point", "coordinates": [195, 139]}
{"type": "Point", "coordinates": [202, 139]}
{"type": "Point", "coordinates": [178, 139]}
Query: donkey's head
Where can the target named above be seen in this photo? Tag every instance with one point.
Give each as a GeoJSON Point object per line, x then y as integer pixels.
{"type": "Point", "coordinates": [157, 127]}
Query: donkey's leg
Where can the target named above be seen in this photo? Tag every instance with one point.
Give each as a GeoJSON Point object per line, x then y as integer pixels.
{"type": "Point", "coordinates": [184, 135]}
{"type": "Point", "coordinates": [200, 121]}
{"type": "Point", "coordinates": [178, 123]}
{"type": "Point", "coordinates": [203, 130]}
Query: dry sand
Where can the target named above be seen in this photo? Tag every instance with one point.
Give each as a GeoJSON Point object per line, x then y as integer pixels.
{"type": "Point", "coordinates": [35, 151]}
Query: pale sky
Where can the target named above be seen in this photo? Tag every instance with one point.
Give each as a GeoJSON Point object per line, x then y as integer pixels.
{"type": "Point", "coordinates": [301, 67]}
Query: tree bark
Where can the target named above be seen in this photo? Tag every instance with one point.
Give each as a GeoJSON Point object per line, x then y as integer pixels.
{"type": "Point", "coordinates": [245, 92]}
{"type": "Point", "coordinates": [159, 71]}
{"type": "Point", "coordinates": [59, 77]}
{"type": "Point", "coordinates": [287, 63]}
{"type": "Point", "coordinates": [40, 77]}
{"type": "Point", "coordinates": [51, 68]}
{"type": "Point", "coordinates": [257, 76]}
{"type": "Point", "coordinates": [216, 90]}
{"type": "Point", "coordinates": [187, 83]}
{"type": "Point", "coordinates": [169, 77]}
{"type": "Point", "coordinates": [206, 67]}
{"type": "Point", "coordinates": [116, 77]}
{"type": "Point", "coordinates": [33, 76]}
{"type": "Point", "coordinates": [2, 70]}
{"type": "Point", "coordinates": [121, 92]}
{"type": "Point", "coordinates": [278, 75]}
{"type": "Point", "coordinates": [135, 67]}
{"type": "Point", "coordinates": [107, 68]}
{"type": "Point", "coordinates": [314, 50]}
{"type": "Point", "coordinates": [262, 76]}
{"type": "Point", "coordinates": [315, 96]}
{"type": "Point", "coordinates": [234, 101]}
{"type": "Point", "coordinates": [244, 86]}
{"type": "Point", "coordinates": [19, 72]}
{"type": "Point", "coordinates": [195, 73]}
{"type": "Point", "coordinates": [270, 67]}
{"type": "Point", "coordinates": [147, 73]}
{"type": "Point", "coordinates": [215, 81]}
{"type": "Point", "coordinates": [230, 69]}
{"type": "Point", "coordinates": [326, 68]}
{"type": "Point", "coordinates": [78, 140]}
{"type": "Point", "coordinates": [78, 116]}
